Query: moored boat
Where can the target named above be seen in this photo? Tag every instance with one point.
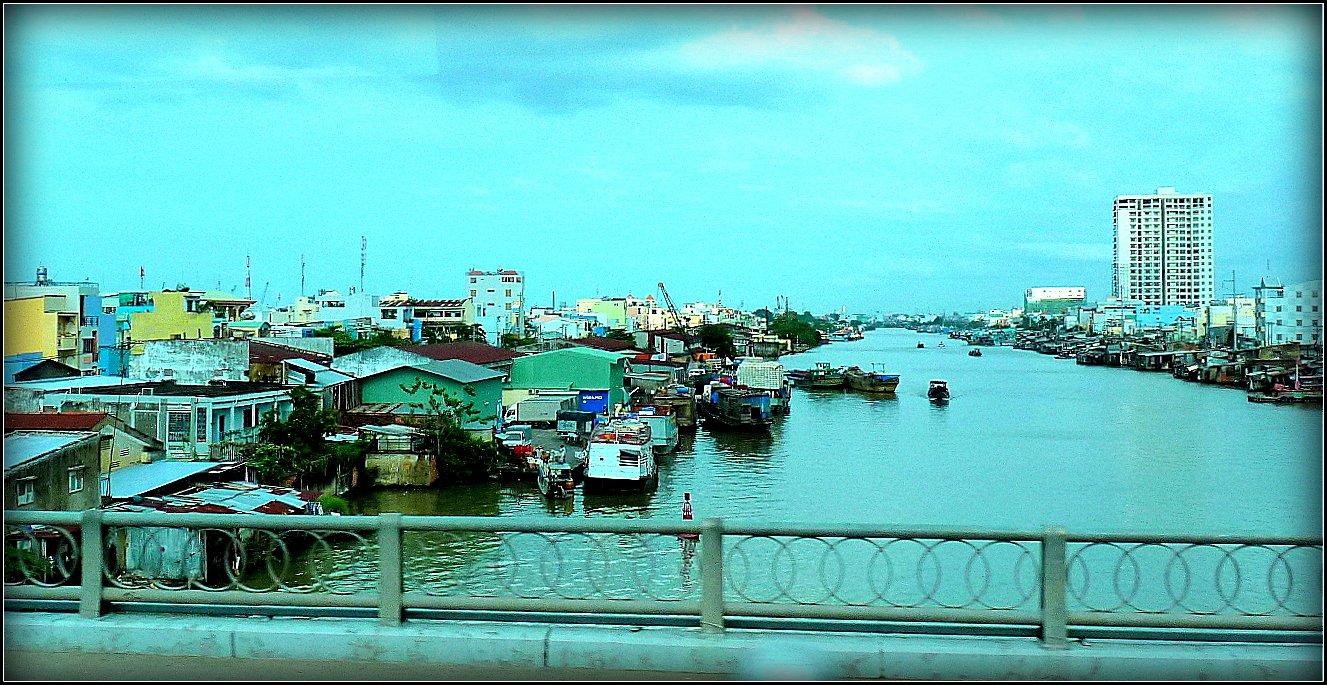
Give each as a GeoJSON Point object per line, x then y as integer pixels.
{"type": "Point", "coordinates": [870, 381]}
{"type": "Point", "coordinates": [555, 480]}
{"type": "Point", "coordinates": [620, 457]}
{"type": "Point", "coordinates": [822, 377]}
{"type": "Point", "coordinates": [722, 406]}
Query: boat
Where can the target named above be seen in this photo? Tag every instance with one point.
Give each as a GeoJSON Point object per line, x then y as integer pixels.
{"type": "Point", "coordinates": [663, 429]}
{"type": "Point", "coordinates": [942, 344]}
{"type": "Point", "coordinates": [555, 480]}
{"type": "Point", "coordinates": [921, 345]}
{"type": "Point", "coordinates": [870, 381]}
{"type": "Point", "coordinates": [620, 457]}
{"type": "Point", "coordinates": [822, 377]}
{"type": "Point", "coordinates": [939, 390]}
{"type": "Point", "coordinates": [723, 406]}
{"type": "Point", "coordinates": [974, 353]}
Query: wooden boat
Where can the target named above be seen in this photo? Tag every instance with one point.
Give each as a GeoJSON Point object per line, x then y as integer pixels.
{"type": "Point", "coordinates": [870, 381]}
{"type": "Point", "coordinates": [821, 377]}
{"type": "Point", "coordinates": [733, 408]}
{"type": "Point", "coordinates": [939, 390]}
{"type": "Point", "coordinates": [555, 481]}
{"type": "Point", "coordinates": [620, 457]}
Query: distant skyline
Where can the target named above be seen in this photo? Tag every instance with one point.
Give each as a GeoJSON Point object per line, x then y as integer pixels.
{"type": "Point", "coordinates": [878, 158]}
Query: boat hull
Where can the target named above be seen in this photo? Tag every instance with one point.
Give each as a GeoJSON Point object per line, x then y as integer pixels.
{"type": "Point", "coordinates": [872, 382]}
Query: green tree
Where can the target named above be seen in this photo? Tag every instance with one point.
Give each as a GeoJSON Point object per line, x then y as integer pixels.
{"type": "Point", "coordinates": [345, 343]}
{"type": "Point", "coordinates": [717, 338]}
{"type": "Point", "coordinates": [796, 327]}
{"type": "Point", "coordinates": [459, 456]}
{"type": "Point", "coordinates": [297, 446]}
{"type": "Point", "coordinates": [620, 334]}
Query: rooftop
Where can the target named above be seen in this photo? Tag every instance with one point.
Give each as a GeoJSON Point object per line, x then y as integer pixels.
{"type": "Point", "coordinates": [54, 421]}
{"type": "Point", "coordinates": [473, 352]}
{"type": "Point", "coordinates": [27, 446]}
{"type": "Point", "coordinates": [169, 389]}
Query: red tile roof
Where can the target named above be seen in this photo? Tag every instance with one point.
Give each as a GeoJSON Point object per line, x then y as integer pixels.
{"type": "Point", "coordinates": [608, 344]}
{"type": "Point", "coordinates": [53, 421]}
{"type": "Point", "coordinates": [473, 352]}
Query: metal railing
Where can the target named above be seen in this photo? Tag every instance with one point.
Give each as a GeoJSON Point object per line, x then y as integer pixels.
{"type": "Point", "coordinates": [1050, 582]}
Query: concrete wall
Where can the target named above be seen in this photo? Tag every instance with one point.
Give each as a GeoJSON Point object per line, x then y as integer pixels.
{"type": "Point", "coordinates": [560, 651]}
{"type": "Point", "coordinates": [376, 359]}
{"type": "Point", "coordinates": [386, 388]}
{"type": "Point", "coordinates": [50, 476]}
{"type": "Point", "coordinates": [191, 362]}
{"type": "Point", "coordinates": [323, 346]}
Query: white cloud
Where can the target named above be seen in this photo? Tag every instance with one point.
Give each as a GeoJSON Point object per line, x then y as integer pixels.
{"type": "Point", "coordinates": [809, 42]}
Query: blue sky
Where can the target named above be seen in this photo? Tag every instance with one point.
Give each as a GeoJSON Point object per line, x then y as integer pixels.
{"type": "Point", "coordinates": [882, 159]}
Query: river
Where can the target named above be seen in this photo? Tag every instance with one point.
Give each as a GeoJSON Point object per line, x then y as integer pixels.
{"type": "Point", "coordinates": [1027, 441]}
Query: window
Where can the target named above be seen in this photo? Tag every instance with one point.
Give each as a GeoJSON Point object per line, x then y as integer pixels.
{"type": "Point", "coordinates": [75, 479]}
{"type": "Point", "coordinates": [27, 492]}
{"type": "Point", "coordinates": [177, 426]}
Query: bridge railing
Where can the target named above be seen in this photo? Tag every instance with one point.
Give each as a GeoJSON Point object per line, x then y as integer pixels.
{"type": "Point", "coordinates": [1048, 581]}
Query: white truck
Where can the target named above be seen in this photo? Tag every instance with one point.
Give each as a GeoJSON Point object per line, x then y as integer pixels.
{"type": "Point", "coordinates": [541, 412]}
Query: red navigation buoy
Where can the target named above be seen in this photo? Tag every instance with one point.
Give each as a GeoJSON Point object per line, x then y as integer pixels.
{"type": "Point", "coordinates": [687, 515]}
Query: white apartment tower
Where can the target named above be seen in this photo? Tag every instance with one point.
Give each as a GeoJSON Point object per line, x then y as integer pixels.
{"type": "Point", "coordinates": [498, 297]}
{"type": "Point", "coordinates": [1163, 248]}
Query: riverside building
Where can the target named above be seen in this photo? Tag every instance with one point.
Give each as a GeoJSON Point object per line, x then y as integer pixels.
{"type": "Point", "coordinates": [1163, 248]}
{"type": "Point", "coordinates": [499, 300]}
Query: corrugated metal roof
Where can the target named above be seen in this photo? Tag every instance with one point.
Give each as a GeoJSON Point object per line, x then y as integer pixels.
{"type": "Point", "coordinates": [141, 478]}
{"type": "Point", "coordinates": [473, 352]}
{"type": "Point", "coordinates": [22, 447]}
{"type": "Point", "coordinates": [452, 369]}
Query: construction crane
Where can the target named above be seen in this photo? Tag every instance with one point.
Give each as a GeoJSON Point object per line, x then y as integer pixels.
{"type": "Point", "coordinates": [677, 318]}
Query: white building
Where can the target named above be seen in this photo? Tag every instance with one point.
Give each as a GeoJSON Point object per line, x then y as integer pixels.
{"type": "Point", "coordinates": [1163, 248]}
{"type": "Point", "coordinates": [498, 298]}
{"type": "Point", "coordinates": [1289, 313]}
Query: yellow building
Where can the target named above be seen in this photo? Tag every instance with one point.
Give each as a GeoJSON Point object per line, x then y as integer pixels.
{"type": "Point", "coordinates": [45, 324]}
{"type": "Point", "coordinates": [174, 316]}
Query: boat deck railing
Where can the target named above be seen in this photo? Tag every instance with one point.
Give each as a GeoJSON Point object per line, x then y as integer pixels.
{"type": "Point", "coordinates": [1052, 584]}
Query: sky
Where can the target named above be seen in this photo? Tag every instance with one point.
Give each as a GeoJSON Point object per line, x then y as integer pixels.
{"type": "Point", "coordinates": [872, 159]}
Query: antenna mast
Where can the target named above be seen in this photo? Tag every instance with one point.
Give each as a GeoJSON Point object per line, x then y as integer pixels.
{"type": "Point", "coordinates": [248, 281]}
{"type": "Point", "coordinates": [363, 256]}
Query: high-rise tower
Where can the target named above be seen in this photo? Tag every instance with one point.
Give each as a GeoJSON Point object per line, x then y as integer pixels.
{"type": "Point", "coordinates": [1163, 248]}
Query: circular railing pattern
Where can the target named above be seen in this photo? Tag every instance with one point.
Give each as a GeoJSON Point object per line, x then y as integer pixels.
{"type": "Point", "coordinates": [245, 559]}
{"type": "Point", "coordinates": [1200, 579]}
{"type": "Point", "coordinates": [905, 571]}
{"type": "Point", "coordinates": [563, 565]}
{"type": "Point", "coordinates": [42, 555]}
{"type": "Point", "coordinates": [860, 571]}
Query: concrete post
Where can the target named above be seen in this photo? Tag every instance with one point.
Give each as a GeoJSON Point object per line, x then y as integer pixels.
{"type": "Point", "coordinates": [90, 578]}
{"type": "Point", "coordinates": [390, 572]}
{"type": "Point", "coordinates": [1054, 577]}
{"type": "Point", "coordinates": [711, 576]}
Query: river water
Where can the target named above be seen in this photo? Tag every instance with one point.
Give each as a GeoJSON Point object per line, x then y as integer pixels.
{"type": "Point", "coordinates": [1026, 442]}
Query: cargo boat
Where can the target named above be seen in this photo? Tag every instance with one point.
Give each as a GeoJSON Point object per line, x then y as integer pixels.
{"type": "Point", "coordinates": [722, 406]}
{"type": "Point", "coordinates": [822, 377]}
{"type": "Point", "coordinates": [870, 381]}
